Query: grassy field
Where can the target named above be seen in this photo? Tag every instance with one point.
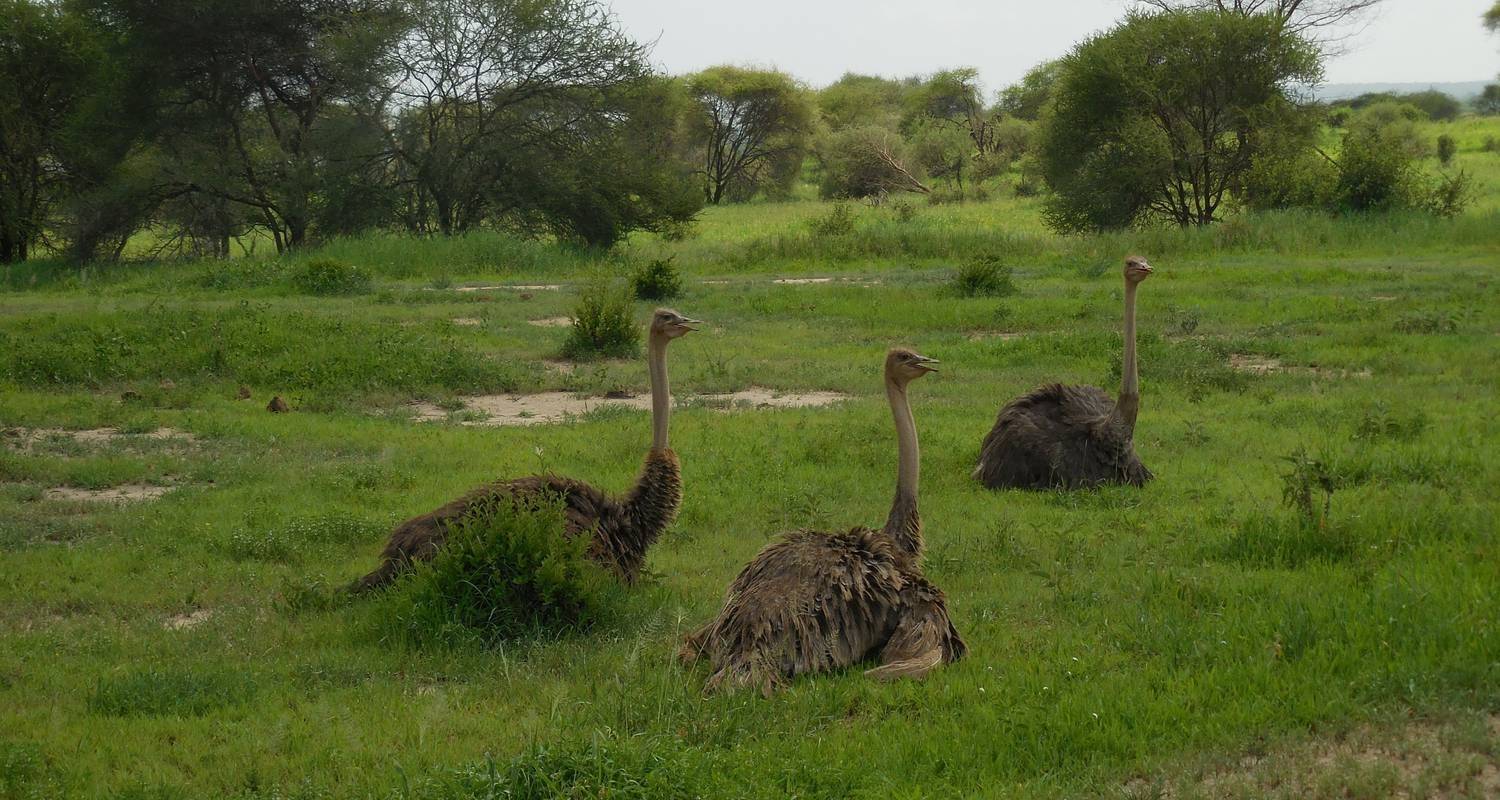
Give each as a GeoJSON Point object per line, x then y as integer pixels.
{"type": "Point", "coordinates": [1122, 642]}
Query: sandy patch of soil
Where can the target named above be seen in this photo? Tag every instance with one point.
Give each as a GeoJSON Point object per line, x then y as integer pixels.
{"type": "Point", "coordinates": [514, 287]}
{"type": "Point", "coordinates": [980, 336]}
{"type": "Point", "coordinates": [560, 367]}
{"type": "Point", "coordinates": [26, 438]}
{"type": "Point", "coordinates": [760, 397]}
{"type": "Point", "coordinates": [124, 493]}
{"type": "Point", "coordinates": [529, 409]}
{"type": "Point", "coordinates": [1265, 365]}
{"type": "Point", "coordinates": [551, 407]}
{"type": "Point", "coordinates": [551, 322]}
{"type": "Point", "coordinates": [801, 281]}
{"type": "Point", "coordinates": [182, 622]}
{"type": "Point", "coordinates": [467, 322]}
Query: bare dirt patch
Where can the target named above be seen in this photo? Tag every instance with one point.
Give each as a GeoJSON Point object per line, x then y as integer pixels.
{"type": "Point", "coordinates": [561, 367]}
{"type": "Point", "coordinates": [528, 409]}
{"type": "Point", "coordinates": [551, 322]}
{"type": "Point", "coordinates": [467, 322]}
{"type": "Point", "coordinates": [801, 281]}
{"type": "Point", "coordinates": [1456, 759]}
{"type": "Point", "coordinates": [182, 622]}
{"type": "Point", "coordinates": [551, 407]}
{"type": "Point", "coordinates": [513, 287]}
{"type": "Point", "coordinates": [761, 397]}
{"type": "Point", "coordinates": [27, 438]}
{"type": "Point", "coordinates": [1001, 336]}
{"type": "Point", "coordinates": [1265, 365]}
{"type": "Point", "coordinates": [124, 493]}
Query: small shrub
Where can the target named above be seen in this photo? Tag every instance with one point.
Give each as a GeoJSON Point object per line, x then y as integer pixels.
{"type": "Point", "coordinates": [1446, 149]}
{"type": "Point", "coordinates": [1380, 422]}
{"type": "Point", "coordinates": [1451, 195]}
{"type": "Point", "coordinates": [1307, 478]}
{"type": "Point", "coordinates": [325, 276]}
{"type": "Point", "coordinates": [839, 221]}
{"type": "Point", "coordinates": [657, 280]}
{"type": "Point", "coordinates": [677, 230]}
{"type": "Point", "coordinates": [603, 326]}
{"type": "Point", "coordinates": [158, 692]}
{"type": "Point", "coordinates": [984, 276]}
{"type": "Point", "coordinates": [505, 571]}
{"type": "Point", "coordinates": [903, 211]}
{"type": "Point", "coordinates": [1491, 145]}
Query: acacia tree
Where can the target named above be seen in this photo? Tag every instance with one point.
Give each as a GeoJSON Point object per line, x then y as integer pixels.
{"type": "Point", "coordinates": [1159, 118]}
{"type": "Point", "coordinates": [952, 99]}
{"type": "Point", "coordinates": [1026, 99]}
{"type": "Point", "coordinates": [484, 85]}
{"type": "Point", "coordinates": [44, 60]}
{"type": "Point", "coordinates": [750, 127]}
{"type": "Point", "coordinates": [1317, 21]}
{"type": "Point", "coordinates": [247, 92]}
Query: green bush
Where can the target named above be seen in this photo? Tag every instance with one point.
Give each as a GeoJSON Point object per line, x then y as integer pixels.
{"type": "Point", "coordinates": [1450, 195]}
{"type": "Point", "coordinates": [325, 276]}
{"type": "Point", "coordinates": [839, 221]}
{"type": "Point", "coordinates": [603, 326]}
{"type": "Point", "coordinates": [598, 769]}
{"type": "Point", "coordinates": [505, 571]}
{"type": "Point", "coordinates": [656, 280]}
{"type": "Point", "coordinates": [1446, 149]}
{"type": "Point", "coordinates": [984, 276]}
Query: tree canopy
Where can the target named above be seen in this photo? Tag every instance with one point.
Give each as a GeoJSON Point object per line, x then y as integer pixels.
{"type": "Point", "coordinates": [1158, 119]}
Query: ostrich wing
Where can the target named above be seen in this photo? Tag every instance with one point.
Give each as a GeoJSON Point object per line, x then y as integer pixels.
{"type": "Point", "coordinates": [924, 635]}
{"type": "Point", "coordinates": [808, 603]}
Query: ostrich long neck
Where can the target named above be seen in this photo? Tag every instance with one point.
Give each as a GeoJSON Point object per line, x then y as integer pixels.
{"type": "Point", "coordinates": [652, 504]}
{"type": "Point", "coordinates": [1129, 404]}
{"type": "Point", "coordinates": [905, 524]}
{"type": "Point", "coordinates": [661, 395]}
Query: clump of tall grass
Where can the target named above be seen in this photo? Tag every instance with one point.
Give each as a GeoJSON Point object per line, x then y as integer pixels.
{"type": "Point", "coordinates": [603, 323]}
{"type": "Point", "coordinates": [1427, 322]}
{"type": "Point", "coordinates": [984, 276]}
{"type": "Point", "coordinates": [505, 571]}
{"type": "Point", "coordinates": [327, 276]}
{"type": "Point", "coordinates": [169, 692]}
{"type": "Point", "coordinates": [596, 770]}
{"type": "Point", "coordinates": [657, 279]}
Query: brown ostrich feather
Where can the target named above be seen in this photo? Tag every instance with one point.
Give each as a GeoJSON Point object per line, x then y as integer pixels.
{"type": "Point", "coordinates": [1059, 436]}
{"type": "Point", "coordinates": [816, 602]}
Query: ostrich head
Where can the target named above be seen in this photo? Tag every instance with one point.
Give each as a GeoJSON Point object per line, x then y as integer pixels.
{"type": "Point", "coordinates": [903, 366]}
{"type": "Point", "coordinates": [669, 324]}
{"type": "Point", "coordinates": [1136, 269]}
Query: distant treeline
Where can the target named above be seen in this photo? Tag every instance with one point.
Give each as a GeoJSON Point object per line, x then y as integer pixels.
{"type": "Point", "coordinates": [204, 122]}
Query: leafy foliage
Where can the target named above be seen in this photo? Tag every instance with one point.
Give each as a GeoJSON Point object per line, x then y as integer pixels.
{"type": "Point", "coordinates": [506, 570]}
{"type": "Point", "coordinates": [751, 128]}
{"type": "Point", "coordinates": [603, 326]}
{"type": "Point", "coordinates": [327, 276]}
{"type": "Point", "coordinates": [1128, 143]}
{"type": "Point", "coordinates": [984, 276]}
{"type": "Point", "coordinates": [657, 279]}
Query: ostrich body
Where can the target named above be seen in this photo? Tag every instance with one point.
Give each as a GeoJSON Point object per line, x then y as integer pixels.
{"type": "Point", "coordinates": [814, 602]}
{"type": "Point", "coordinates": [621, 528]}
{"type": "Point", "coordinates": [1060, 436]}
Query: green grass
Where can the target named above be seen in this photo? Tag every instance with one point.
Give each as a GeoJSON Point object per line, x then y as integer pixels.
{"type": "Point", "coordinates": [1113, 633]}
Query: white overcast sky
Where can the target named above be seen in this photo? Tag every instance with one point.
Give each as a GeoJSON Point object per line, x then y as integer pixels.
{"type": "Point", "coordinates": [819, 40]}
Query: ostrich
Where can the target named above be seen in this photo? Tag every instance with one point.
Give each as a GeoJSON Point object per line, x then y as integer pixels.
{"type": "Point", "coordinates": [622, 528]}
{"type": "Point", "coordinates": [1071, 436]}
{"type": "Point", "coordinates": [814, 602]}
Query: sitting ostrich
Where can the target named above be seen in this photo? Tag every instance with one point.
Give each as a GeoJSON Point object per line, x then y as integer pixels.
{"type": "Point", "coordinates": [622, 528]}
{"type": "Point", "coordinates": [814, 602]}
{"type": "Point", "coordinates": [1071, 436]}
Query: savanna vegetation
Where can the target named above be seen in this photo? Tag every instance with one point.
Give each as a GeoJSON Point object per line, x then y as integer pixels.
{"type": "Point", "coordinates": [1312, 577]}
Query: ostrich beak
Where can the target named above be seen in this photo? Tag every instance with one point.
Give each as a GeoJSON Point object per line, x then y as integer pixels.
{"type": "Point", "coordinates": [689, 323]}
{"type": "Point", "coordinates": [926, 363]}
